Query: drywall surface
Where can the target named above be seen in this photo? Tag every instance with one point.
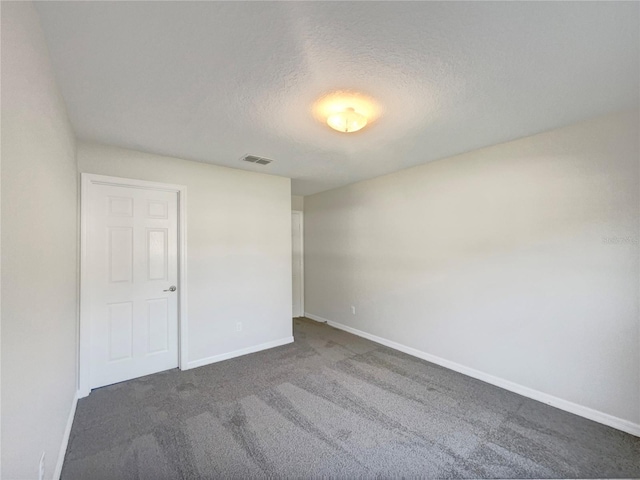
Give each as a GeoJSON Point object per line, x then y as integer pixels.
{"type": "Point", "coordinates": [519, 260]}
{"type": "Point", "coordinates": [238, 246]}
{"type": "Point", "coordinates": [207, 81]}
{"type": "Point", "coordinates": [297, 203]}
{"type": "Point", "coordinates": [39, 251]}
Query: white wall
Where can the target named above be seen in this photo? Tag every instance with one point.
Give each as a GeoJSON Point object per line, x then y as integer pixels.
{"type": "Point", "coordinates": [519, 260]}
{"type": "Point", "coordinates": [297, 203]}
{"type": "Point", "coordinates": [239, 246]}
{"type": "Point", "coordinates": [39, 251]}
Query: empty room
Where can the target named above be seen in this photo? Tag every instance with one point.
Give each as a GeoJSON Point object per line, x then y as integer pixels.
{"type": "Point", "coordinates": [319, 240]}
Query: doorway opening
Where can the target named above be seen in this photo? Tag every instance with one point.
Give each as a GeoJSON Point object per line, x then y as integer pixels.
{"type": "Point", "coordinates": [297, 244]}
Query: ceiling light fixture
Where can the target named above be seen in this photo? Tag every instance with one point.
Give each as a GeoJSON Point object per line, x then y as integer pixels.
{"type": "Point", "coordinates": [346, 111]}
{"type": "Point", "coordinates": [347, 121]}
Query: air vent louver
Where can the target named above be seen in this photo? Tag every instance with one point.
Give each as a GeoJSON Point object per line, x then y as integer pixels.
{"type": "Point", "coordinates": [255, 159]}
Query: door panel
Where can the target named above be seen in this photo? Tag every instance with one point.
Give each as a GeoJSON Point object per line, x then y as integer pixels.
{"type": "Point", "coordinates": [158, 316]}
{"type": "Point", "coordinates": [120, 206]}
{"type": "Point", "coordinates": [120, 331]}
{"type": "Point", "coordinates": [120, 254]}
{"type": "Point", "coordinates": [157, 254]}
{"type": "Point", "coordinates": [132, 260]}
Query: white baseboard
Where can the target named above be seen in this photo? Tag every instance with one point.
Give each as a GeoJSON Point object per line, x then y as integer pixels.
{"type": "Point", "coordinates": [586, 412]}
{"type": "Point", "coordinates": [65, 437]}
{"type": "Point", "coordinates": [237, 353]}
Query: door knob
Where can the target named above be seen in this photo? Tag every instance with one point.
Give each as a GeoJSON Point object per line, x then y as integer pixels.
{"type": "Point", "coordinates": [172, 288]}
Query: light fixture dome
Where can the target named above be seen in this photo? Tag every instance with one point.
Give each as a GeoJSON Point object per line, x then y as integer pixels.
{"type": "Point", "coordinates": [347, 121]}
{"type": "Point", "coordinates": [346, 111]}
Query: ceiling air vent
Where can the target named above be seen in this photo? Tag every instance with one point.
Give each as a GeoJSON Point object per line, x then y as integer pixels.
{"type": "Point", "coordinates": [258, 160]}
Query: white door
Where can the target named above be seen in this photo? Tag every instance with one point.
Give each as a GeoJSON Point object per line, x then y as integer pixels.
{"type": "Point", "coordinates": [132, 267]}
{"type": "Point", "coordinates": [298, 275]}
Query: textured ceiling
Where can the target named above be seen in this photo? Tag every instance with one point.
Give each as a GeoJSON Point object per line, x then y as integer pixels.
{"type": "Point", "coordinates": [214, 81]}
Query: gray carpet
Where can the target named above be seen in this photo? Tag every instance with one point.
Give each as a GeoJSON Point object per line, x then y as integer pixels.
{"type": "Point", "coordinates": [333, 405]}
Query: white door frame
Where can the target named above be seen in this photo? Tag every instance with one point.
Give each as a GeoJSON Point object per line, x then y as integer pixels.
{"type": "Point", "coordinates": [84, 354]}
{"type": "Point", "coordinates": [301, 259]}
